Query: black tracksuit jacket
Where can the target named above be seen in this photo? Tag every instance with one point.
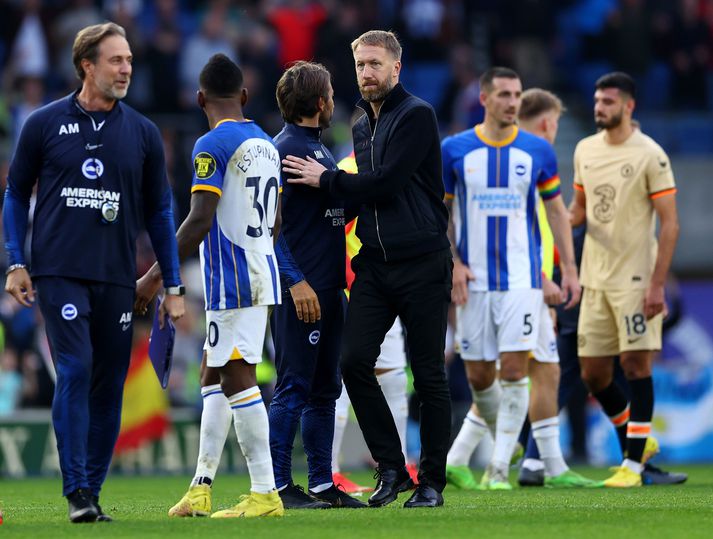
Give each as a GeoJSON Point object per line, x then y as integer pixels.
{"type": "Point", "coordinates": [399, 182]}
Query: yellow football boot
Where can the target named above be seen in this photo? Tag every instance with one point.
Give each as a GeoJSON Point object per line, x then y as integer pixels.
{"type": "Point", "coordinates": [623, 478]}
{"type": "Point", "coordinates": [195, 503]}
{"type": "Point", "coordinates": [650, 449]}
{"type": "Point", "coordinates": [254, 505]}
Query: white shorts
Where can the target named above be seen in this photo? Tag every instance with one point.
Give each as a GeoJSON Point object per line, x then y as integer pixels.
{"type": "Point", "coordinates": [494, 322]}
{"type": "Point", "coordinates": [393, 354]}
{"type": "Point", "coordinates": [235, 334]}
{"type": "Point", "coordinates": [546, 350]}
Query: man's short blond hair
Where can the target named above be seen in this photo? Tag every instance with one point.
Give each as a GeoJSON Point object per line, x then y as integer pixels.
{"type": "Point", "coordinates": [379, 38]}
{"type": "Point", "coordinates": [536, 101]}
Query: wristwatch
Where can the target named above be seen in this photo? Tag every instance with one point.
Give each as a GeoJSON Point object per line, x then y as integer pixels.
{"type": "Point", "coordinates": [14, 267]}
{"type": "Point", "coordinates": [179, 290]}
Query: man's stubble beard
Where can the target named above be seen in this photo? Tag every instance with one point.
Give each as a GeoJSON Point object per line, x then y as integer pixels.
{"type": "Point", "coordinates": [378, 94]}
{"type": "Point", "coordinates": [110, 92]}
{"type": "Point", "coordinates": [613, 122]}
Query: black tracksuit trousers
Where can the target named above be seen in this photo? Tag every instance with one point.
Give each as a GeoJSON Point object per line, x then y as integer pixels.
{"type": "Point", "coordinates": [418, 290]}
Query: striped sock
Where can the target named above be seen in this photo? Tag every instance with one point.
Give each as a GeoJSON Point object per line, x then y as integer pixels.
{"type": "Point", "coordinates": [215, 424]}
{"type": "Point", "coordinates": [253, 431]}
{"type": "Point", "coordinates": [511, 416]}
{"type": "Point", "coordinates": [469, 436]}
{"type": "Point", "coordinates": [642, 410]}
{"type": "Point", "coordinates": [488, 403]}
{"type": "Point", "coordinates": [547, 436]}
{"type": "Point", "coordinates": [616, 406]}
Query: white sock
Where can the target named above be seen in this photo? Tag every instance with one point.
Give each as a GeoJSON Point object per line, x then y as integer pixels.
{"type": "Point", "coordinates": [253, 431]}
{"type": "Point", "coordinates": [534, 465]}
{"type": "Point", "coordinates": [488, 403]}
{"type": "Point", "coordinates": [547, 437]}
{"type": "Point", "coordinates": [393, 386]}
{"type": "Point", "coordinates": [634, 466]}
{"type": "Point", "coordinates": [511, 416]}
{"type": "Point", "coordinates": [469, 436]}
{"type": "Point", "coordinates": [215, 424]}
{"type": "Point", "coordinates": [321, 488]}
{"type": "Point", "coordinates": [341, 417]}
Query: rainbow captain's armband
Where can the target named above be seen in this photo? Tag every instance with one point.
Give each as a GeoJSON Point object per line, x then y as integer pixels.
{"type": "Point", "coordinates": [549, 188]}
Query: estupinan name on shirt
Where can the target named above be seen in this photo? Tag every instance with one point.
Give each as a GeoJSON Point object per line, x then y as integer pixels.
{"type": "Point", "coordinates": [255, 152]}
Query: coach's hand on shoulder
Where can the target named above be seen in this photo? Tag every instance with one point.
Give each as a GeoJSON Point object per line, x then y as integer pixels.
{"type": "Point", "coordinates": [19, 285]}
{"type": "Point", "coordinates": [173, 306]}
{"type": "Point", "coordinates": [654, 302]}
{"type": "Point", "coordinates": [306, 302]}
{"type": "Point", "coordinates": [461, 275]}
{"type": "Point", "coordinates": [308, 170]}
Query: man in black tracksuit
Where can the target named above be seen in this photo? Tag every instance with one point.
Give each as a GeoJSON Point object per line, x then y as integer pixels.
{"type": "Point", "coordinates": [403, 269]}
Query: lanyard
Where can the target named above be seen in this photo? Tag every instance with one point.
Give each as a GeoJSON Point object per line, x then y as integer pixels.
{"type": "Point", "coordinates": [109, 210]}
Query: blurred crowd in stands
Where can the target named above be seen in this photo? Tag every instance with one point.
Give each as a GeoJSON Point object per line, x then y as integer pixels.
{"type": "Point", "coordinates": [557, 44]}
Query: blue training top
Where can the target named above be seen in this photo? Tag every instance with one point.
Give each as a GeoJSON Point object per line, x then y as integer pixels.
{"type": "Point", "coordinates": [81, 165]}
{"type": "Point", "coordinates": [311, 244]}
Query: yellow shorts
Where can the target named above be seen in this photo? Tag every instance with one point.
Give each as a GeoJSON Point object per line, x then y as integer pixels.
{"type": "Point", "coordinates": [613, 321]}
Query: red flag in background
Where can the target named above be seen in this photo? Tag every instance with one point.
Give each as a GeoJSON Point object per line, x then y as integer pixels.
{"type": "Point", "coordinates": [144, 412]}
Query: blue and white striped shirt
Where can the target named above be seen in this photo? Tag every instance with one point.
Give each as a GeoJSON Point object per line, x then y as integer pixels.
{"type": "Point", "coordinates": [238, 162]}
{"type": "Point", "coordinates": [495, 188]}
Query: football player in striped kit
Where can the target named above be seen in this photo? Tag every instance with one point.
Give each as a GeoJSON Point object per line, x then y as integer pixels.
{"type": "Point", "coordinates": [494, 176]}
{"type": "Point", "coordinates": [234, 204]}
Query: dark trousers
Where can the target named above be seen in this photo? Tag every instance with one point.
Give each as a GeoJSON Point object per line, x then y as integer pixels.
{"type": "Point", "coordinates": [308, 385]}
{"type": "Point", "coordinates": [418, 291]}
{"type": "Point", "coordinates": [89, 330]}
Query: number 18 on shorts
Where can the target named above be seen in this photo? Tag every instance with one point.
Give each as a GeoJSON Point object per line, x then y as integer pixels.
{"type": "Point", "coordinates": [612, 322]}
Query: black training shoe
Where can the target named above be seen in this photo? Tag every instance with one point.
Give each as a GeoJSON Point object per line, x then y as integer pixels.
{"type": "Point", "coordinates": [81, 508]}
{"type": "Point", "coordinates": [101, 515]}
{"type": "Point", "coordinates": [531, 478]}
{"type": "Point", "coordinates": [424, 496]}
{"type": "Point", "coordinates": [389, 484]}
{"type": "Point", "coordinates": [294, 497]}
{"type": "Point", "coordinates": [337, 498]}
{"type": "Point", "coordinates": [656, 476]}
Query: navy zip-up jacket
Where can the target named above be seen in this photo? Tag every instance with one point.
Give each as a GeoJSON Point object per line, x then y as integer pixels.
{"type": "Point", "coordinates": [311, 244]}
{"type": "Point", "coordinates": [80, 163]}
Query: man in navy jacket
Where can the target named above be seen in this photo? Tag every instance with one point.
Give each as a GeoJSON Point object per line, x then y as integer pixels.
{"type": "Point", "coordinates": [307, 326]}
{"type": "Point", "coordinates": [99, 169]}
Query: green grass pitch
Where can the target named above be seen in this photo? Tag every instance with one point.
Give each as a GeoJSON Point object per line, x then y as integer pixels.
{"type": "Point", "coordinates": [33, 509]}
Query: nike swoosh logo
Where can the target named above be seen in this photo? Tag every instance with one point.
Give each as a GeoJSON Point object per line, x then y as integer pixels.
{"type": "Point", "coordinates": [632, 341]}
{"type": "Point", "coordinates": [91, 147]}
{"type": "Point", "coordinates": [124, 327]}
